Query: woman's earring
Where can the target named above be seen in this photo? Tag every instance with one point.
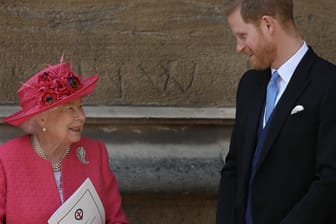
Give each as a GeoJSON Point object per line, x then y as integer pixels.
{"type": "Point", "coordinates": [44, 129]}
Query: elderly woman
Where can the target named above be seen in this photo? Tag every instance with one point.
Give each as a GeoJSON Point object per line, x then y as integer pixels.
{"type": "Point", "coordinates": [41, 170]}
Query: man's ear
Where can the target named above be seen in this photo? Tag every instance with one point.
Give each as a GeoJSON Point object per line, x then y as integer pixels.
{"type": "Point", "coordinates": [267, 24]}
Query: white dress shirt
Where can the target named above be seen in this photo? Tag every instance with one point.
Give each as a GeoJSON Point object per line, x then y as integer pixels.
{"type": "Point", "coordinates": [286, 71]}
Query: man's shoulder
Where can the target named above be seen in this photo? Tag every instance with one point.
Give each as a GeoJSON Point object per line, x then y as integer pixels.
{"type": "Point", "coordinates": [255, 74]}
{"type": "Point", "coordinates": [322, 70]}
{"type": "Point", "coordinates": [318, 62]}
{"type": "Point", "coordinates": [325, 65]}
{"type": "Point", "coordinates": [252, 77]}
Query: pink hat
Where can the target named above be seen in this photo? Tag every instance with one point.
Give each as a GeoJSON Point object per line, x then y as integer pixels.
{"type": "Point", "coordinates": [54, 85]}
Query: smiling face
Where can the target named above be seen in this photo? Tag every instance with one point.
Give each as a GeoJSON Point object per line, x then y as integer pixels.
{"type": "Point", "coordinates": [64, 123]}
{"type": "Point", "coordinates": [252, 41]}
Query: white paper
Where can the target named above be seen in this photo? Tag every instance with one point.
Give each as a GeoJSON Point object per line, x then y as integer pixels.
{"type": "Point", "coordinates": [84, 206]}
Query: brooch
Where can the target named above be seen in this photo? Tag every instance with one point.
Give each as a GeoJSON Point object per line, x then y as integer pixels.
{"type": "Point", "coordinates": [81, 153]}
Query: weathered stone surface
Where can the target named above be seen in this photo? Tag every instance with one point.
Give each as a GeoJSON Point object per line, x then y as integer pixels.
{"type": "Point", "coordinates": [148, 52]}
{"type": "Point", "coordinates": [170, 208]}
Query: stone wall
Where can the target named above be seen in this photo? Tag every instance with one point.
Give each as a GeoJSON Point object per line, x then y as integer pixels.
{"type": "Point", "coordinates": [148, 52]}
{"type": "Point", "coordinates": [167, 55]}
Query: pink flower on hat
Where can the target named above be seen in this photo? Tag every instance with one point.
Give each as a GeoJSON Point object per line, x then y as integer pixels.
{"type": "Point", "coordinates": [53, 87]}
{"type": "Point", "coordinates": [48, 98]}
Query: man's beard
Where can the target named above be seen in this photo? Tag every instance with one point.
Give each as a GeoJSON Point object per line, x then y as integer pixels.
{"type": "Point", "coordinates": [263, 57]}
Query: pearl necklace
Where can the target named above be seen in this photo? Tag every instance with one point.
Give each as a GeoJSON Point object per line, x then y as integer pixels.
{"type": "Point", "coordinates": [38, 149]}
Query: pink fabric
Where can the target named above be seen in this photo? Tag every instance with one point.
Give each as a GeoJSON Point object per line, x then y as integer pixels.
{"type": "Point", "coordinates": [28, 192]}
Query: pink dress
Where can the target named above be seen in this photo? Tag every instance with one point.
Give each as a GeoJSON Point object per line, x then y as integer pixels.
{"type": "Point", "coordinates": [28, 191]}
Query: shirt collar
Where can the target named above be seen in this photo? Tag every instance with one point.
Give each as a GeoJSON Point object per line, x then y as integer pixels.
{"type": "Point", "coordinates": [287, 69]}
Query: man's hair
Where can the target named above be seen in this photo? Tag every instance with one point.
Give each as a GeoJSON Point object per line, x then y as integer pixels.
{"type": "Point", "coordinates": [253, 10]}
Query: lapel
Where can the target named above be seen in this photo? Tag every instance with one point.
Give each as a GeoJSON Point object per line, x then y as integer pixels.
{"type": "Point", "coordinates": [299, 81]}
{"type": "Point", "coordinates": [255, 109]}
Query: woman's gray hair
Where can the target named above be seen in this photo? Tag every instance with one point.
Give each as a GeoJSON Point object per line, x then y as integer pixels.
{"type": "Point", "coordinates": [30, 126]}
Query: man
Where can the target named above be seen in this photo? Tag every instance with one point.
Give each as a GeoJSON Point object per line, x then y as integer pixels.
{"type": "Point", "coordinates": [281, 168]}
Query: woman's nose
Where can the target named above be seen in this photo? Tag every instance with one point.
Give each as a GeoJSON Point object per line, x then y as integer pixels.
{"type": "Point", "coordinates": [80, 114]}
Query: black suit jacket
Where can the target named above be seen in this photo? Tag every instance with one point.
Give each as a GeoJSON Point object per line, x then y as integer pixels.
{"type": "Point", "coordinates": [295, 180]}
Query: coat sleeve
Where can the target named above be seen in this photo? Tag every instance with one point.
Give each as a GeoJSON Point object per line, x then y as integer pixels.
{"type": "Point", "coordinates": [228, 183]}
{"type": "Point", "coordinates": [113, 203]}
{"type": "Point", "coordinates": [227, 187]}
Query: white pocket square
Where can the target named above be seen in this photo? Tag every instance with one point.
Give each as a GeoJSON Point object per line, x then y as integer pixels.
{"type": "Point", "coordinates": [297, 109]}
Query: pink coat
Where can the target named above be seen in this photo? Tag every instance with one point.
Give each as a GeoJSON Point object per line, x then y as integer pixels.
{"type": "Point", "coordinates": [28, 192]}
